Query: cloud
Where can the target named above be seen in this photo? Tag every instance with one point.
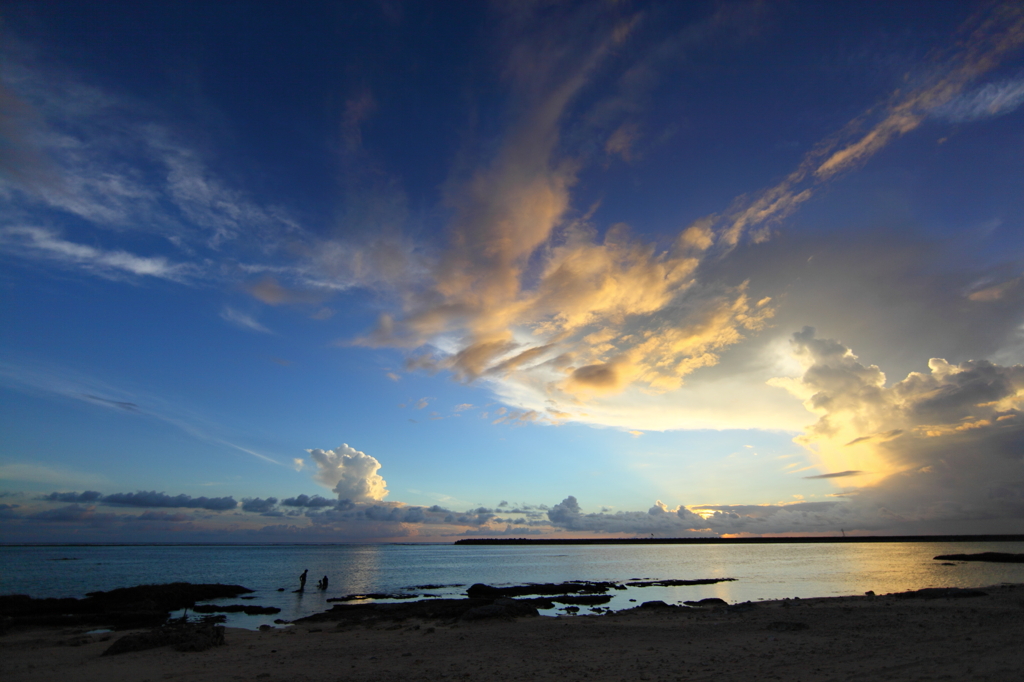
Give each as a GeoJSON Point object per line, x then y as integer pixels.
{"type": "Point", "coordinates": [87, 496]}
{"type": "Point", "coordinates": [943, 445]}
{"type": "Point", "coordinates": [988, 101]}
{"type": "Point", "coordinates": [270, 291]}
{"type": "Point", "coordinates": [119, 404]}
{"type": "Point", "coordinates": [349, 473]}
{"type": "Point", "coordinates": [242, 320]}
{"type": "Point", "coordinates": [160, 517]}
{"type": "Point", "coordinates": [313, 502]}
{"type": "Point", "coordinates": [658, 520]}
{"type": "Point", "coordinates": [41, 242]}
{"type": "Point", "coordinates": [258, 505]}
{"type": "Point", "coordinates": [74, 513]}
{"type": "Point", "coordinates": [838, 474]}
{"type": "Point", "coordinates": [155, 499]}
{"type": "Point", "coordinates": [50, 475]}
{"type": "Point", "coordinates": [528, 298]}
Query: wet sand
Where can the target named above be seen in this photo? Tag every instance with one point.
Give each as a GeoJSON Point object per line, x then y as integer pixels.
{"type": "Point", "coordinates": [840, 638]}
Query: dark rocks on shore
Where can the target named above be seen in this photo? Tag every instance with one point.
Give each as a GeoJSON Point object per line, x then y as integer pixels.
{"type": "Point", "coordinates": [182, 636]}
{"type": "Point", "coordinates": [127, 607]}
{"type": "Point", "coordinates": [710, 602]}
{"type": "Point", "coordinates": [482, 591]}
{"type": "Point", "coordinates": [678, 583]}
{"type": "Point", "coordinates": [450, 610]}
{"type": "Point", "coordinates": [247, 609]}
{"type": "Point", "coordinates": [374, 595]}
{"type": "Point", "coordinates": [939, 593]}
{"type": "Point", "coordinates": [582, 599]}
{"type": "Point", "coordinates": [995, 557]}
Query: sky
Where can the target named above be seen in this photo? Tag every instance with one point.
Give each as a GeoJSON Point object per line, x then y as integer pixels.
{"type": "Point", "coordinates": [418, 271]}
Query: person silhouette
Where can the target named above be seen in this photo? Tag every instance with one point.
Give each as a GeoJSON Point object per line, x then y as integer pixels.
{"type": "Point", "coordinates": [323, 583]}
{"type": "Point", "coordinates": [302, 581]}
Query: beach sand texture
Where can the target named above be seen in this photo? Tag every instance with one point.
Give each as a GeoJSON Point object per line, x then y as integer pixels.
{"type": "Point", "coordinates": [840, 638]}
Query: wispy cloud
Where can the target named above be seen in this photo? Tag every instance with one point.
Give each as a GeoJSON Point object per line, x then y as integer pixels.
{"type": "Point", "coordinates": [989, 101]}
{"type": "Point", "coordinates": [44, 243]}
{"type": "Point", "coordinates": [528, 299]}
{"type": "Point", "coordinates": [25, 376]}
{"type": "Point", "coordinates": [838, 474]}
{"type": "Point", "coordinates": [243, 320]}
{"type": "Point", "coordinates": [50, 475]}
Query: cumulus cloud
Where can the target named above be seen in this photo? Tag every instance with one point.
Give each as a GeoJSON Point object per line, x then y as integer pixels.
{"type": "Point", "coordinates": [306, 501]}
{"type": "Point", "coordinates": [349, 473]}
{"type": "Point", "coordinates": [155, 499]}
{"type": "Point", "coordinates": [658, 520]}
{"type": "Point", "coordinates": [258, 505]}
{"type": "Point", "coordinates": [87, 496]}
{"type": "Point", "coordinates": [939, 446]}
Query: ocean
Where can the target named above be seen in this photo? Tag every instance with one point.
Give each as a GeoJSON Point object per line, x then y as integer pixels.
{"type": "Point", "coordinates": [769, 571]}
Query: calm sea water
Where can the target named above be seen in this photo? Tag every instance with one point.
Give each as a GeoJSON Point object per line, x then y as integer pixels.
{"type": "Point", "coordinates": [762, 571]}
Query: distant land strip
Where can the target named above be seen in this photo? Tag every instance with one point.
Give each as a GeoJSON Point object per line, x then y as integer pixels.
{"type": "Point", "coordinates": [739, 541]}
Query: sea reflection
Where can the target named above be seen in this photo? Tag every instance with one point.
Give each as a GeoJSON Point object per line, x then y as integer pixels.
{"type": "Point", "coordinates": [771, 571]}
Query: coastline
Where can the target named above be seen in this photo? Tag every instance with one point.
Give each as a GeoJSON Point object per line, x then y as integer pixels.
{"type": "Point", "coordinates": [857, 637]}
{"type": "Point", "coordinates": [759, 540]}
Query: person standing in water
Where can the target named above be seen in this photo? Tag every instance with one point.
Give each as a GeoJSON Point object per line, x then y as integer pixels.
{"type": "Point", "coordinates": [323, 583]}
{"type": "Point", "coordinates": [302, 581]}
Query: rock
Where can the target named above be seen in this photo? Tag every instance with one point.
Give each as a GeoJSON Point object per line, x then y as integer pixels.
{"type": "Point", "coordinates": [583, 599]}
{"type": "Point", "coordinates": [237, 608]}
{"type": "Point", "coordinates": [479, 590]}
{"type": "Point", "coordinates": [940, 593]}
{"type": "Point", "coordinates": [123, 608]}
{"type": "Point", "coordinates": [996, 557]}
{"type": "Point", "coordinates": [677, 583]}
{"type": "Point", "coordinates": [707, 603]}
{"type": "Point", "coordinates": [183, 636]}
{"type": "Point", "coordinates": [501, 608]}
{"type": "Point", "coordinates": [658, 604]}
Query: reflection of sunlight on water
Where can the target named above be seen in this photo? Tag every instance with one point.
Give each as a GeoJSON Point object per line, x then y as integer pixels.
{"type": "Point", "coordinates": [771, 571]}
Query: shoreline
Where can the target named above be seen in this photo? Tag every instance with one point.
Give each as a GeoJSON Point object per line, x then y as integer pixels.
{"type": "Point", "coordinates": [900, 636]}
{"type": "Point", "coordinates": [763, 540]}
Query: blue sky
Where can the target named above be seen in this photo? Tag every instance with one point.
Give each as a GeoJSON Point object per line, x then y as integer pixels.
{"type": "Point", "coordinates": [510, 268]}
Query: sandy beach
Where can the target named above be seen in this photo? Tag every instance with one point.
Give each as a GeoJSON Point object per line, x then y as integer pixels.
{"type": "Point", "coordinates": [839, 638]}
